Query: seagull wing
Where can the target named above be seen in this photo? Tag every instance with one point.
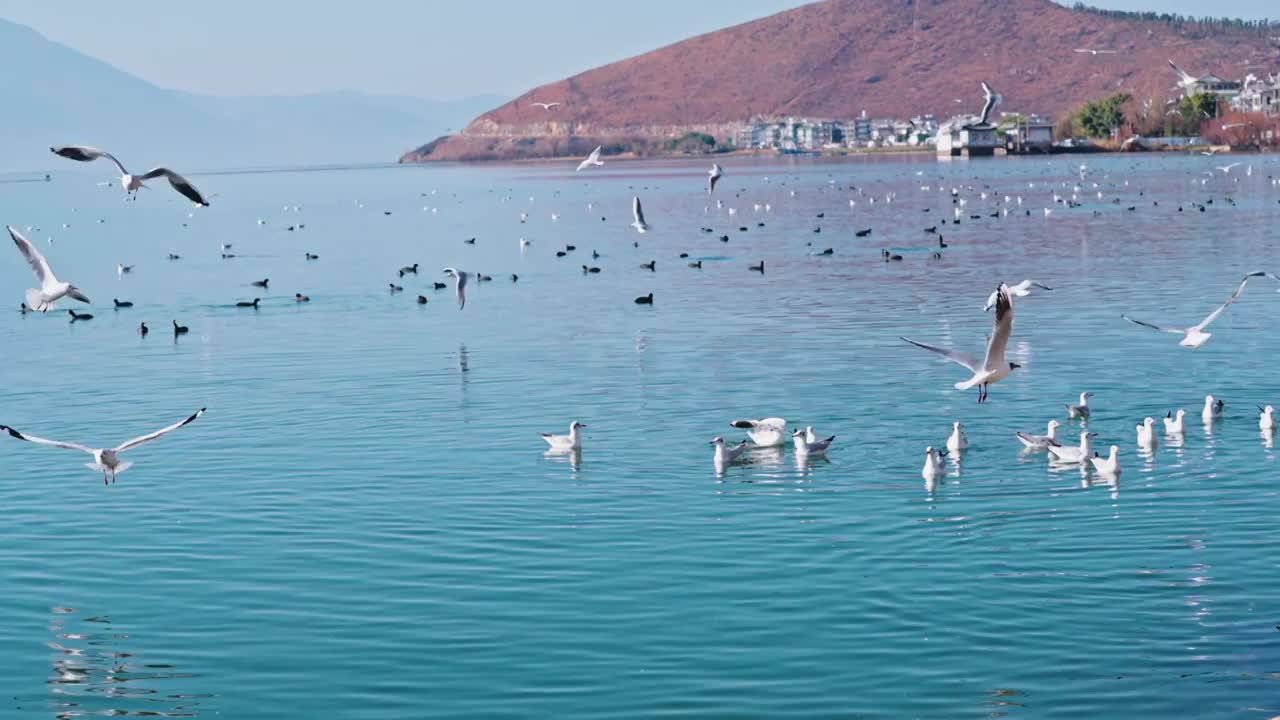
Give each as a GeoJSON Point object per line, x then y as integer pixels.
{"type": "Point", "coordinates": [1174, 331]}
{"type": "Point", "coordinates": [42, 441]}
{"type": "Point", "coordinates": [1186, 79]}
{"type": "Point", "coordinates": [38, 264]}
{"type": "Point", "coordinates": [1000, 332]}
{"type": "Point", "coordinates": [130, 444]}
{"type": "Point", "coordinates": [179, 183]}
{"type": "Point", "coordinates": [637, 211]}
{"type": "Point", "coordinates": [1223, 307]}
{"type": "Point", "coordinates": [1041, 286]}
{"type": "Point", "coordinates": [955, 356]}
{"type": "Point", "coordinates": [84, 153]}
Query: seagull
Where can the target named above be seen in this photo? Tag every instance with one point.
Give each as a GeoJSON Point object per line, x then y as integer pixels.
{"type": "Point", "coordinates": [957, 441]}
{"type": "Point", "coordinates": [460, 285]}
{"type": "Point", "coordinates": [592, 159]}
{"type": "Point", "coordinates": [726, 454]}
{"type": "Point", "coordinates": [132, 183]}
{"type": "Point", "coordinates": [990, 99]}
{"type": "Point", "coordinates": [1267, 422]}
{"type": "Point", "coordinates": [1226, 169]}
{"type": "Point", "coordinates": [1080, 410]}
{"type": "Point", "coordinates": [122, 269]}
{"type": "Point", "coordinates": [993, 368]}
{"type": "Point", "coordinates": [804, 447]}
{"type": "Point", "coordinates": [572, 441]}
{"type": "Point", "coordinates": [1093, 51]}
{"type": "Point", "coordinates": [1070, 454]}
{"type": "Point", "coordinates": [1107, 466]}
{"type": "Point", "coordinates": [713, 177]}
{"type": "Point", "coordinates": [765, 432]}
{"type": "Point", "coordinates": [1212, 409]}
{"type": "Point", "coordinates": [1147, 434]}
{"type": "Point", "coordinates": [51, 289]}
{"type": "Point", "coordinates": [104, 459]}
{"type": "Point", "coordinates": [545, 106]}
{"type": "Point", "coordinates": [1040, 442]}
{"type": "Point", "coordinates": [933, 468]}
{"type": "Point", "coordinates": [638, 213]}
{"type": "Point", "coordinates": [1195, 336]}
{"type": "Point", "coordinates": [1175, 423]}
{"type": "Point", "coordinates": [1022, 289]}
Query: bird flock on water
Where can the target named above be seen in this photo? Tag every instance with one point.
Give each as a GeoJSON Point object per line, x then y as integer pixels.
{"type": "Point", "coordinates": [771, 432]}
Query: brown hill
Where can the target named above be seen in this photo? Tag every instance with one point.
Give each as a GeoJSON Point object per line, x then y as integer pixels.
{"type": "Point", "coordinates": [894, 58]}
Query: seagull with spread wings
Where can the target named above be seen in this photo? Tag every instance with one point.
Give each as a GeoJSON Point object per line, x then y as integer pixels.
{"type": "Point", "coordinates": [992, 368]}
{"type": "Point", "coordinates": [545, 106]}
{"type": "Point", "coordinates": [106, 460]}
{"type": "Point", "coordinates": [1195, 336]}
{"type": "Point", "coordinates": [51, 288]}
{"type": "Point", "coordinates": [132, 183]}
{"type": "Point", "coordinates": [638, 213]}
{"type": "Point", "coordinates": [592, 159]}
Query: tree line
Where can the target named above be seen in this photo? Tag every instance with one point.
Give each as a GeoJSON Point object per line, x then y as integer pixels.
{"type": "Point", "coordinates": [1202, 25]}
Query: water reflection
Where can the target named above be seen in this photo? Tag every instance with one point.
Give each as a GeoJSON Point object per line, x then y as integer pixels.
{"type": "Point", "coordinates": [571, 457]}
{"type": "Point", "coordinates": [95, 672]}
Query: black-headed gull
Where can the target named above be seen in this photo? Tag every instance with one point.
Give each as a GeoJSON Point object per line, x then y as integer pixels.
{"type": "Point", "coordinates": [1040, 442]}
{"type": "Point", "coordinates": [572, 441]}
{"type": "Point", "coordinates": [1147, 434]}
{"type": "Point", "coordinates": [105, 460]}
{"type": "Point", "coordinates": [460, 285]}
{"type": "Point", "coordinates": [1267, 420]}
{"type": "Point", "coordinates": [933, 467]}
{"type": "Point", "coordinates": [1081, 409]}
{"type": "Point", "coordinates": [992, 368]}
{"type": "Point", "coordinates": [132, 183]}
{"type": "Point", "coordinates": [713, 177]}
{"type": "Point", "coordinates": [1021, 289]}
{"type": "Point", "coordinates": [1176, 423]}
{"type": "Point", "coordinates": [957, 441]}
{"type": "Point", "coordinates": [1212, 409]}
{"type": "Point", "coordinates": [592, 159]}
{"type": "Point", "coordinates": [1195, 336]}
{"type": "Point", "coordinates": [1109, 466]}
{"type": "Point", "coordinates": [726, 454]}
{"type": "Point", "coordinates": [804, 447]}
{"type": "Point", "coordinates": [1071, 454]}
{"type": "Point", "coordinates": [51, 288]}
{"type": "Point", "coordinates": [765, 432]}
{"type": "Point", "coordinates": [637, 213]}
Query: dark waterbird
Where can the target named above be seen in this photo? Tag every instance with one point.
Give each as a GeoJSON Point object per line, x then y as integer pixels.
{"type": "Point", "coordinates": [863, 233]}
{"type": "Point", "coordinates": [142, 329]}
{"type": "Point", "coordinates": [651, 266]}
{"type": "Point", "coordinates": [422, 300]}
{"type": "Point", "coordinates": [645, 299]}
{"type": "Point", "coordinates": [180, 329]}
{"type": "Point", "coordinates": [299, 297]}
{"type": "Point", "coordinates": [757, 268]}
{"type": "Point", "coordinates": [312, 257]}
{"type": "Point", "coordinates": [79, 316]}
{"type": "Point", "coordinates": [121, 303]}
{"type": "Point", "coordinates": [409, 269]}
{"type": "Point", "coordinates": [261, 283]}
{"type": "Point", "coordinates": [246, 304]}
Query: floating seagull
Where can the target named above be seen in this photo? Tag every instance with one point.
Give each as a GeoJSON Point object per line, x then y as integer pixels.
{"type": "Point", "coordinates": [122, 269]}
{"type": "Point", "coordinates": [51, 289]}
{"type": "Point", "coordinates": [1040, 442]}
{"type": "Point", "coordinates": [1080, 410]}
{"type": "Point", "coordinates": [460, 285]}
{"type": "Point", "coordinates": [933, 468]}
{"type": "Point", "coordinates": [993, 368]}
{"type": "Point", "coordinates": [132, 183]}
{"type": "Point", "coordinates": [545, 106]}
{"type": "Point", "coordinates": [638, 213]}
{"type": "Point", "coordinates": [1109, 466]}
{"type": "Point", "coordinates": [957, 441]}
{"type": "Point", "coordinates": [1175, 423]}
{"type": "Point", "coordinates": [1022, 289]}
{"type": "Point", "coordinates": [726, 454]}
{"type": "Point", "coordinates": [1073, 455]}
{"type": "Point", "coordinates": [1212, 410]}
{"type": "Point", "coordinates": [804, 447]}
{"type": "Point", "coordinates": [592, 159]}
{"type": "Point", "coordinates": [572, 441]}
{"type": "Point", "coordinates": [1147, 434]}
{"type": "Point", "coordinates": [1195, 336]}
{"type": "Point", "coordinates": [765, 432]}
{"type": "Point", "coordinates": [105, 460]}
{"type": "Point", "coordinates": [1267, 421]}
{"type": "Point", "coordinates": [713, 177]}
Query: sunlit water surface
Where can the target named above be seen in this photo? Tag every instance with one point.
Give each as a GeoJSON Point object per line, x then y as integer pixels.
{"type": "Point", "coordinates": [364, 524]}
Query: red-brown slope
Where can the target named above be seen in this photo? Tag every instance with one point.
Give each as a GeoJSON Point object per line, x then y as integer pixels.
{"type": "Point", "coordinates": [896, 58]}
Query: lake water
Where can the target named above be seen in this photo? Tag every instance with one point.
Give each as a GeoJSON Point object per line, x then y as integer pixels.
{"type": "Point", "coordinates": [364, 524]}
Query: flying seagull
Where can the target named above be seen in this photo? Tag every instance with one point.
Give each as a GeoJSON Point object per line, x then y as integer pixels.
{"type": "Point", "coordinates": [990, 100]}
{"type": "Point", "coordinates": [51, 289]}
{"type": "Point", "coordinates": [132, 183]}
{"type": "Point", "coordinates": [592, 159]}
{"type": "Point", "coordinates": [1022, 289]}
{"type": "Point", "coordinates": [1195, 336]}
{"type": "Point", "coordinates": [638, 213]}
{"type": "Point", "coordinates": [992, 368]}
{"type": "Point", "coordinates": [460, 285]}
{"type": "Point", "coordinates": [1094, 51]}
{"type": "Point", "coordinates": [713, 177]}
{"type": "Point", "coordinates": [545, 106]}
{"type": "Point", "coordinates": [104, 459]}
{"type": "Point", "coordinates": [1184, 80]}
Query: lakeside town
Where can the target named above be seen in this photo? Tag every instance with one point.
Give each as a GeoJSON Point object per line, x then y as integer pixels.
{"type": "Point", "coordinates": [1217, 111]}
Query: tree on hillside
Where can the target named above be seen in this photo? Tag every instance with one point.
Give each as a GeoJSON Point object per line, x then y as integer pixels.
{"type": "Point", "coordinates": [1097, 118]}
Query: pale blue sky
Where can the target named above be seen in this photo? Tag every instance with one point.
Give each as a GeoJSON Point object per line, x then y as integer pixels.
{"type": "Point", "coordinates": [430, 48]}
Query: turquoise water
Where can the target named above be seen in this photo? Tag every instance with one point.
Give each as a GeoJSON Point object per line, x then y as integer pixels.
{"type": "Point", "coordinates": [364, 524]}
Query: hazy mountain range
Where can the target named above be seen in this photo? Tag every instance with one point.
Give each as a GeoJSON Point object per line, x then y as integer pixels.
{"type": "Point", "coordinates": [891, 58]}
{"type": "Point", "coordinates": [55, 95]}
